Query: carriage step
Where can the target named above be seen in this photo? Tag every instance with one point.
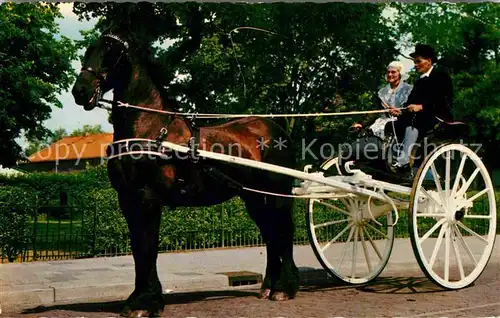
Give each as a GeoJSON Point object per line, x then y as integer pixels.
{"type": "Point", "coordinates": [242, 278]}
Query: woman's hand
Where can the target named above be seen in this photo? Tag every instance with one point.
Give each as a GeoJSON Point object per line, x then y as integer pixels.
{"type": "Point", "coordinates": [357, 126]}
{"type": "Point", "coordinates": [415, 108]}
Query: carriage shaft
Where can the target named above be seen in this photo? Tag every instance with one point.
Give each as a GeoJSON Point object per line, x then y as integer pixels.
{"type": "Point", "coordinates": [345, 184]}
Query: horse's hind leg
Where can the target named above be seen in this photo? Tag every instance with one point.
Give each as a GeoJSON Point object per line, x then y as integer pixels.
{"type": "Point", "coordinates": [274, 218]}
{"type": "Point", "coordinates": [143, 216]}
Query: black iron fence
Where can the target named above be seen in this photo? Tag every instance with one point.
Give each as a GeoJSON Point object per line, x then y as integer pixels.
{"type": "Point", "coordinates": [43, 233]}
{"type": "Point", "coordinates": [39, 233]}
{"type": "Point", "coordinates": [68, 232]}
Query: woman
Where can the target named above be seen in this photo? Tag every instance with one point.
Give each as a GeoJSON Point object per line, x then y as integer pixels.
{"type": "Point", "coordinates": [392, 95]}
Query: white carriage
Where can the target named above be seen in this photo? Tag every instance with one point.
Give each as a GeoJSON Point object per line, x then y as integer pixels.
{"type": "Point", "coordinates": [351, 216]}
{"type": "Point", "coordinates": [351, 219]}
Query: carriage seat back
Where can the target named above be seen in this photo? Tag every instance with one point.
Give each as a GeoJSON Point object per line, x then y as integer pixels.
{"type": "Point", "coordinates": [453, 130]}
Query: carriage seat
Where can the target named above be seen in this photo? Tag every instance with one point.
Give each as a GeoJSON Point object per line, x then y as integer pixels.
{"type": "Point", "coordinates": [449, 129]}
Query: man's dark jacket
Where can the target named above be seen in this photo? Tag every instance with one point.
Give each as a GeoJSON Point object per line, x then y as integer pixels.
{"type": "Point", "coordinates": [435, 94]}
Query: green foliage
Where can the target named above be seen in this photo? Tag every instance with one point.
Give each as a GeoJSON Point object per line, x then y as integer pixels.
{"type": "Point", "coordinates": [104, 221]}
{"type": "Point", "coordinates": [87, 129]}
{"type": "Point", "coordinates": [16, 205]}
{"type": "Point", "coordinates": [307, 55]}
{"type": "Point", "coordinates": [35, 66]}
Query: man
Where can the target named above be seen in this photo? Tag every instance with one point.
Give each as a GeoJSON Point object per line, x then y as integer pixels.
{"type": "Point", "coordinates": [429, 101]}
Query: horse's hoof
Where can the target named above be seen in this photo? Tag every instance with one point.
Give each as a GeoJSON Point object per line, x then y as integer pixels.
{"type": "Point", "coordinates": [280, 296]}
{"type": "Point", "coordinates": [264, 293]}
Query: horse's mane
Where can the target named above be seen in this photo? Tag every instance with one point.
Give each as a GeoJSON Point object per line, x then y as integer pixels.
{"type": "Point", "coordinates": [159, 75]}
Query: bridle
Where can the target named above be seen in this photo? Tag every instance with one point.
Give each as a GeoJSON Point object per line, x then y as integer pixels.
{"type": "Point", "coordinates": [102, 76]}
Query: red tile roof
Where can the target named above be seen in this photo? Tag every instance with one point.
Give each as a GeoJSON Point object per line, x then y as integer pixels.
{"type": "Point", "coordinates": [72, 148]}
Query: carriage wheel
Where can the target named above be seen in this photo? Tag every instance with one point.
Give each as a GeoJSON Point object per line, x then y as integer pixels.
{"type": "Point", "coordinates": [452, 216]}
{"type": "Point", "coordinates": [348, 243]}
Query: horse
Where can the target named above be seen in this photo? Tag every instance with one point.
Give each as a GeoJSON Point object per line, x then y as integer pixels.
{"type": "Point", "coordinates": [115, 61]}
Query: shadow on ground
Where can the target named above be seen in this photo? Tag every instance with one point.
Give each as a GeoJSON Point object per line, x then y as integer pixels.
{"type": "Point", "coordinates": [311, 281]}
{"type": "Point", "coordinates": [116, 306]}
{"type": "Point", "coordinates": [319, 280]}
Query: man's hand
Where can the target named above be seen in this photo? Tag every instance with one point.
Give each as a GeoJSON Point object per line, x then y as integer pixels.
{"type": "Point", "coordinates": [395, 111]}
{"type": "Point", "coordinates": [355, 127]}
{"type": "Point", "coordinates": [415, 108]}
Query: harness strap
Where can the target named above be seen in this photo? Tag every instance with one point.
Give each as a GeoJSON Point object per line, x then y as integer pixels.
{"type": "Point", "coordinates": [194, 142]}
{"type": "Point", "coordinates": [223, 178]}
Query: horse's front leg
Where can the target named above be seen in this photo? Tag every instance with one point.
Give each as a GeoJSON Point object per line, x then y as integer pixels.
{"type": "Point", "coordinates": [143, 216]}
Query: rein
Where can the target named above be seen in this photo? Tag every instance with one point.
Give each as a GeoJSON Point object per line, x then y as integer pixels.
{"type": "Point", "coordinates": [211, 116]}
{"type": "Point", "coordinates": [215, 116]}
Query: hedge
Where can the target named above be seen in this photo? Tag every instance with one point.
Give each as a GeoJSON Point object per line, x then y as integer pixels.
{"type": "Point", "coordinates": [104, 229]}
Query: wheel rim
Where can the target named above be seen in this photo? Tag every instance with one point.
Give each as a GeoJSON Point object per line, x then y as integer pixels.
{"type": "Point", "coordinates": [348, 243]}
{"type": "Point", "coordinates": [453, 216]}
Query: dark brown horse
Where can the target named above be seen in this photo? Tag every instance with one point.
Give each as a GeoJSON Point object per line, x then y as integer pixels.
{"type": "Point", "coordinates": [146, 184]}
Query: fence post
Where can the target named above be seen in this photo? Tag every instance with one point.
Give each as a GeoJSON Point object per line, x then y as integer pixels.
{"type": "Point", "coordinates": [221, 226]}
{"type": "Point", "coordinates": [35, 221]}
{"type": "Point", "coordinates": [94, 235]}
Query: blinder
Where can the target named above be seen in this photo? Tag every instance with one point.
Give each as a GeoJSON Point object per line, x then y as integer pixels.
{"type": "Point", "coordinates": [102, 77]}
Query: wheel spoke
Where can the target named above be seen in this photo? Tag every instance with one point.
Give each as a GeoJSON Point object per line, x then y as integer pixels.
{"type": "Point", "coordinates": [430, 215]}
{"type": "Point", "coordinates": [373, 244]}
{"type": "Point", "coordinates": [330, 223]}
{"type": "Point", "coordinates": [459, 175]}
{"type": "Point", "coordinates": [477, 195]}
{"type": "Point", "coordinates": [432, 230]}
{"type": "Point", "coordinates": [354, 256]}
{"type": "Point", "coordinates": [457, 253]}
{"type": "Point", "coordinates": [431, 197]}
{"type": "Point", "coordinates": [377, 230]}
{"type": "Point", "coordinates": [447, 239]}
{"type": "Point", "coordinates": [483, 217]}
{"type": "Point", "coordinates": [437, 179]}
{"type": "Point", "coordinates": [333, 240]}
{"type": "Point", "coordinates": [468, 183]}
{"type": "Point", "coordinates": [344, 250]}
{"type": "Point", "coordinates": [465, 246]}
{"type": "Point", "coordinates": [335, 208]}
{"type": "Point", "coordinates": [465, 227]}
{"type": "Point", "coordinates": [447, 177]}
{"type": "Point", "coordinates": [437, 246]}
{"type": "Point", "coordinates": [365, 250]}
{"type": "Point", "coordinates": [347, 203]}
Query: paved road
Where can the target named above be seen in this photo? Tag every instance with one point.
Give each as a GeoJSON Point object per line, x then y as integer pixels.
{"type": "Point", "coordinates": [395, 294]}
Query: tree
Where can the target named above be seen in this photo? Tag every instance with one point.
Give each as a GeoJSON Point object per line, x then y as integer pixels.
{"type": "Point", "coordinates": [58, 134]}
{"type": "Point", "coordinates": [87, 130]}
{"type": "Point", "coordinates": [35, 66]}
{"type": "Point", "coordinates": [307, 56]}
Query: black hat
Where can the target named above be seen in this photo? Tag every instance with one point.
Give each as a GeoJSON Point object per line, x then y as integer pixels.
{"type": "Point", "coordinates": [425, 51]}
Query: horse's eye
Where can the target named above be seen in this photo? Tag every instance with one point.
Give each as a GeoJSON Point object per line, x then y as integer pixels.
{"type": "Point", "coordinates": [110, 57]}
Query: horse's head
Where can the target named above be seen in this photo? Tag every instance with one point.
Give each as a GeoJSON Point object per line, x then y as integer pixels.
{"type": "Point", "coordinates": [105, 66]}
